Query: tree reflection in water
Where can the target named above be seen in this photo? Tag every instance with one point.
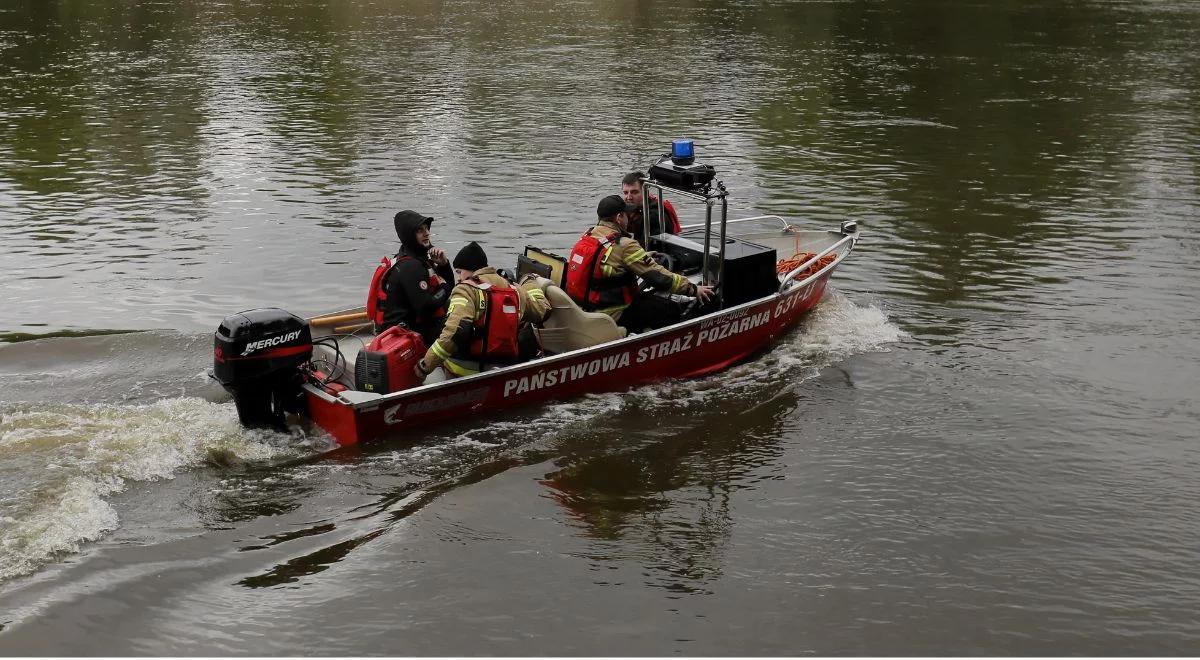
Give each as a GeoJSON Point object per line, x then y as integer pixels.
{"type": "Point", "coordinates": [665, 501]}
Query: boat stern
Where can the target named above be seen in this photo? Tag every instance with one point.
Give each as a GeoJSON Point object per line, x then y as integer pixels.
{"type": "Point", "coordinates": [331, 413]}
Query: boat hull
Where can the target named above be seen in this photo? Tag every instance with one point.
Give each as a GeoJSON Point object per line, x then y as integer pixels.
{"type": "Point", "coordinates": [686, 350]}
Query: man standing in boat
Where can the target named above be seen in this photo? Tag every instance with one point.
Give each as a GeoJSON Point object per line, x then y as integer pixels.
{"type": "Point", "coordinates": [604, 267]}
{"type": "Point", "coordinates": [631, 190]}
{"type": "Point", "coordinates": [487, 322]}
{"type": "Point", "coordinates": [415, 290]}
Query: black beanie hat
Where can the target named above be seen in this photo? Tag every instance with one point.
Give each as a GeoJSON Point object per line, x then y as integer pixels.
{"type": "Point", "coordinates": [470, 257]}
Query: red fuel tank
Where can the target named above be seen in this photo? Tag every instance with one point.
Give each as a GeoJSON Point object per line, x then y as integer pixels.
{"type": "Point", "coordinates": [387, 363]}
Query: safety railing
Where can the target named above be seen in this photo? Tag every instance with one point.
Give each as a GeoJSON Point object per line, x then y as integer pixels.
{"type": "Point", "coordinates": [709, 197]}
{"type": "Point", "coordinates": [789, 282]}
{"type": "Point", "coordinates": [783, 223]}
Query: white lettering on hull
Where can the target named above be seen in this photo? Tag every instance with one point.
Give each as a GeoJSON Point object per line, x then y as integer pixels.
{"type": "Point", "coordinates": [731, 328]}
{"type": "Point", "coordinates": [562, 375]}
{"type": "Point", "coordinates": [787, 304]}
{"type": "Point", "coordinates": [725, 327]}
{"type": "Point", "coordinates": [710, 331]}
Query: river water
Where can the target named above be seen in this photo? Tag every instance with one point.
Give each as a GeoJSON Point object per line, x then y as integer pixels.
{"type": "Point", "coordinates": [982, 442]}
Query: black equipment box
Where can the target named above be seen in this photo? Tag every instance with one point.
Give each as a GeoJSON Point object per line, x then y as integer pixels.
{"type": "Point", "coordinates": [749, 267]}
{"type": "Point", "coordinates": [693, 176]}
{"type": "Point", "coordinates": [749, 271]}
{"type": "Point", "coordinates": [686, 254]}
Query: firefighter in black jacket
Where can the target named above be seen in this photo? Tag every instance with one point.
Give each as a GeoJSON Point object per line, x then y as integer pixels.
{"type": "Point", "coordinates": [416, 289]}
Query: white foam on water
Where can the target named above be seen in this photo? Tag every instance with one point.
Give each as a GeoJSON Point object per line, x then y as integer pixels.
{"type": "Point", "coordinates": [78, 514]}
{"type": "Point", "coordinates": [62, 464]}
{"type": "Point", "coordinates": [834, 330]}
{"type": "Point", "coordinates": [839, 328]}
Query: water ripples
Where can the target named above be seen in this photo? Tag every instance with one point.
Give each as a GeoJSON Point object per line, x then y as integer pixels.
{"type": "Point", "coordinates": [1026, 182]}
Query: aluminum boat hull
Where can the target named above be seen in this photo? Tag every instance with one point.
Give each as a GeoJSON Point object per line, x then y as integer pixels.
{"type": "Point", "coordinates": [688, 349]}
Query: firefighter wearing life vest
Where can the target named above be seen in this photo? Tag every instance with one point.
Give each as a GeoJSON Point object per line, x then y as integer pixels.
{"type": "Point", "coordinates": [605, 264]}
{"type": "Point", "coordinates": [414, 289]}
{"type": "Point", "coordinates": [631, 191]}
{"type": "Point", "coordinates": [485, 319]}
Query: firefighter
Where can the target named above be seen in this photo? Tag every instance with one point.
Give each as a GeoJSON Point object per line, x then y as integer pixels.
{"type": "Point", "coordinates": [604, 267]}
{"type": "Point", "coordinates": [631, 191]}
{"type": "Point", "coordinates": [487, 320]}
{"type": "Point", "coordinates": [413, 290]}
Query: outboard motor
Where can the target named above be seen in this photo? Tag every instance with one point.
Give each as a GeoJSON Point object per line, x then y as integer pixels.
{"type": "Point", "coordinates": [256, 357]}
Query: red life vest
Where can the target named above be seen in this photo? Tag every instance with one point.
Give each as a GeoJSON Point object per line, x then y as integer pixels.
{"type": "Point", "coordinates": [672, 216]}
{"type": "Point", "coordinates": [587, 284]}
{"type": "Point", "coordinates": [670, 225]}
{"type": "Point", "coordinates": [376, 296]}
{"type": "Point", "coordinates": [497, 324]}
{"type": "Point", "coordinates": [378, 293]}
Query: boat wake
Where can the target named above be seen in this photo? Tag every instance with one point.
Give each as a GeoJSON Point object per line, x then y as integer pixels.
{"type": "Point", "coordinates": [60, 465]}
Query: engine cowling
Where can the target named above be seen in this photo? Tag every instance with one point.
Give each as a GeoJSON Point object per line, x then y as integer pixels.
{"type": "Point", "coordinates": [257, 356]}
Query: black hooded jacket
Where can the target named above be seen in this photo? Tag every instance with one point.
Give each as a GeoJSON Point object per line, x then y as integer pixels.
{"type": "Point", "coordinates": [411, 299]}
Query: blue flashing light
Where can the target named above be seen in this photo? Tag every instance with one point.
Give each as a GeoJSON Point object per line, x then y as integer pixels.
{"type": "Point", "coordinates": [683, 151]}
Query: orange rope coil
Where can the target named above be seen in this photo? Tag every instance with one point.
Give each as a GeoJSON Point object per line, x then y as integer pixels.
{"type": "Point", "coordinates": [787, 265]}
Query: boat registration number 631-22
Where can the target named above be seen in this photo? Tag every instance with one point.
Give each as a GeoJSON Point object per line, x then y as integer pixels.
{"type": "Point", "coordinates": [785, 305]}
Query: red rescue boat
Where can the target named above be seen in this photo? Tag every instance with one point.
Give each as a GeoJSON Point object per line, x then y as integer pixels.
{"type": "Point", "coordinates": [275, 363]}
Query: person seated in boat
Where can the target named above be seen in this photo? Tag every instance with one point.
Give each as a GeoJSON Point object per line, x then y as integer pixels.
{"type": "Point", "coordinates": [415, 290]}
{"type": "Point", "coordinates": [604, 267]}
{"type": "Point", "coordinates": [487, 322]}
{"type": "Point", "coordinates": [631, 190]}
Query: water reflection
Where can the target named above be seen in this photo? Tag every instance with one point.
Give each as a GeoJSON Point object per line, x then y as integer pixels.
{"type": "Point", "coordinates": [148, 145]}
{"type": "Point", "coordinates": [333, 540]}
{"type": "Point", "coordinates": [984, 187]}
{"type": "Point", "coordinates": [310, 564]}
{"type": "Point", "coordinates": [663, 499]}
{"type": "Point", "coordinates": [659, 498]}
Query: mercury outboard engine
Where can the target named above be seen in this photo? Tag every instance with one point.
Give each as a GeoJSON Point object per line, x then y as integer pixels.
{"type": "Point", "coordinates": [256, 357]}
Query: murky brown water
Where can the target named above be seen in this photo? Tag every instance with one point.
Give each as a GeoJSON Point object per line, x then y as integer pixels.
{"type": "Point", "coordinates": [982, 443]}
